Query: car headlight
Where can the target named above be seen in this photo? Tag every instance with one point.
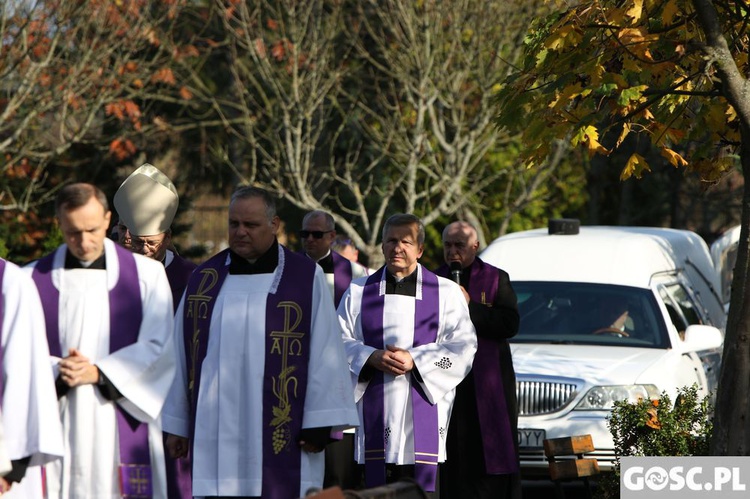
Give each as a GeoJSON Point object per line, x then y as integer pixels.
{"type": "Point", "coordinates": [603, 398]}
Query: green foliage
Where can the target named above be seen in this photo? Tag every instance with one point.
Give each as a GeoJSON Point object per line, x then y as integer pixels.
{"type": "Point", "coordinates": [657, 428]}
{"type": "Point", "coordinates": [53, 240]}
{"type": "Point", "coordinates": [609, 69]}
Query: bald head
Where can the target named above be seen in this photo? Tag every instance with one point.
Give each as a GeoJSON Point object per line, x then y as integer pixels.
{"type": "Point", "coordinates": [460, 243]}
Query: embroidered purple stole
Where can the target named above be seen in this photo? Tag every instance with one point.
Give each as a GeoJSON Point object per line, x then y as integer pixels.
{"type": "Point", "coordinates": [2, 318]}
{"type": "Point", "coordinates": [494, 421]}
{"type": "Point", "coordinates": [288, 324]}
{"type": "Point", "coordinates": [425, 415]}
{"type": "Point", "coordinates": [125, 315]}
{"type": "Point", "coordinates": [342, 277]}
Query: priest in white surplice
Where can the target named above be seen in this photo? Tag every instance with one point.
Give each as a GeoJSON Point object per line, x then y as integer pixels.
{"type": "Point", "coordinates": [409, 341]}
{"type": "Point", "coordinates": [109, 324]}
{"type": "Point", "coordinates": [28, 415]}
{"type": "Point", "coordinates": [261, 377]}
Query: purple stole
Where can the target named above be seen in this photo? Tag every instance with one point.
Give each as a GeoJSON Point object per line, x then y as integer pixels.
{"type": "Point", "coordinates": [342, 277]}
{"type": "Point", "coordinates": [425, 415]}
{"type": "Point", "coordinates": [288, 324]}
{"type": "Point", "coordinates": [178, 273]}
{"type": "Point", "coordinates": [179, 480]}
{"type": "Point", "coordinates": [125, 315]}
{"type": "Point", "coordinates": [494, 421]}
{"type": "Point", "coordinates": [2, 317]}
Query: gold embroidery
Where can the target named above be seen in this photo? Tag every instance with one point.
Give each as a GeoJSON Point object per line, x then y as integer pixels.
{"type": "Point", "coordinates": [138, 477]}
{"type": "Point", "coordinates": [283, 344]}
{"type": "Point", "coordinates": [197, 308]}
{"type": "Point", "coordinates": [484, 298]}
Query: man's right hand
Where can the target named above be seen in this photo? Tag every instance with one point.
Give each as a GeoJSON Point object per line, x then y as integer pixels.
{"type": "Point", "coordinates": [177, 446]}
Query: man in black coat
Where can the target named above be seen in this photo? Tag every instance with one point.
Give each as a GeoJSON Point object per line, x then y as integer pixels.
{"type": "Point", "coordinates": [482, 459]}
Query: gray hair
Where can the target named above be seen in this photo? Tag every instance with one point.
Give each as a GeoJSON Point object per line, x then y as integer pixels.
{"type": "Point", "coordinates": [402, 219]}
{"type": "Point", "coordinates": [249, 191]}
{"type": "Point", "coordinates": [330, 224]}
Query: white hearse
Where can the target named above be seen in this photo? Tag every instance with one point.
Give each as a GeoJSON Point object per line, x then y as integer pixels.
{"type": "Point", "coordinates": [607, 313]}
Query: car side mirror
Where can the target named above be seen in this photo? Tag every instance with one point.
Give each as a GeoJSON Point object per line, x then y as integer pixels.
{"type": "Point", "coordinates": [699, 337]}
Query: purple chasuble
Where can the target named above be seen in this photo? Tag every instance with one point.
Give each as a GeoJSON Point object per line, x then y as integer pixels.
{"type": "Point", "coordinates": [288, 324]}
{"type": "Point", "coordinates": [125, 315]}
{"type": "Point", "coordinates": [425, 415]}
{"type": "Point", "coordinates": [342, 277]}
{"type": "Point", "coordinates": [494, 421]}
{"type": "Point", "coordinates": [2, 317]}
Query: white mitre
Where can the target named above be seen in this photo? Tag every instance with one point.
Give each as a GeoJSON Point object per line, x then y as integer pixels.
{"type": "Point", "coordinates": [147, 201]}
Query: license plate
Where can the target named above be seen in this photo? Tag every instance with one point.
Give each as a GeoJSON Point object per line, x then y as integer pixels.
{"type": "Point", "coordinates": [531, 438]}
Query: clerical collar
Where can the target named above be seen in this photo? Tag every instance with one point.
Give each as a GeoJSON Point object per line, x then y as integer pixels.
{"type": "Point", "coordinates": [406, 286]}
{"type": "Point", "coordinates": [327, 263]}
{"type": "Point", "coordinates": [71, 262]}
{"type": "Point", "coordinates": [265, 264]}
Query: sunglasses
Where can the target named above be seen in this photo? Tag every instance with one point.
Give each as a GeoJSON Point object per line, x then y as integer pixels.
{"type": "Point", "coordinates": [317, 234]}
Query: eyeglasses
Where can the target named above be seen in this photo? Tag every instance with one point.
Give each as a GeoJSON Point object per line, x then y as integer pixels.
{"type": "Point", "coordinates": [317, 234]}
{"type": "Point", "coordinates": [138, 244]}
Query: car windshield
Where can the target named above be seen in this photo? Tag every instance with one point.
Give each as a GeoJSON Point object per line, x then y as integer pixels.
{"type": "Point", "coordinates": [589, 314]}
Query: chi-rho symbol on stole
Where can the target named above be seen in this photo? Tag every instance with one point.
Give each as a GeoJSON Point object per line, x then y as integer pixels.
{"type": "Point", "coordinates": [286, 343]}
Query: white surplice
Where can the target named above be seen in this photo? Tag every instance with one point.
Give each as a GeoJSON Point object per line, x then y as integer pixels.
{"type": "Point", "coordinates": [456, 345]}
{"type": "Point", "coordinates": [142, 372]}
{"type": "Point", "coordinates": [227, 457]}
{"type": "Point", "coordinates": [29, 417]}
{"type": "Point", "coordinates": [5, 465]}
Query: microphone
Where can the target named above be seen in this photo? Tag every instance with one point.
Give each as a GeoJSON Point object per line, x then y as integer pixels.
{"type": "Point", "coordinates": [456, 271]}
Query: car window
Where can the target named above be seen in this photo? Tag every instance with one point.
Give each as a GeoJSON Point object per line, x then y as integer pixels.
{"type": "Point", "coordinates": [682, 310]}
{"type": "Point", "coordinates": [593, 314]}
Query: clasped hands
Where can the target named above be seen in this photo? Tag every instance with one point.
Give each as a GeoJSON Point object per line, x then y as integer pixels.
{"type": "Point", "coordinates": [76, 369]}
{"type": "Point", "coordinates": [393, 360]}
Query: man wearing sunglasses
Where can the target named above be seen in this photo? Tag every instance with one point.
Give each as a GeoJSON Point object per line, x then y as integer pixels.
{"type": "Point", "coordinates": [317, 235]}
{"type": "Point", "coordinates": [147, 202]}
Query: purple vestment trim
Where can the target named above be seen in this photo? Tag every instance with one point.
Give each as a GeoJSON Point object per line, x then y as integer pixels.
{"type": "Point", "coordinates": [288, 328]}
{"type": "Point", "coordinates": [202, 289]}
{"type": "Point", "coordinates": [178, 272]}
{"type": "Point", "coordinates": [373, 400]}
{"type": "Point", "coordinates": [2, 318]}
{"type": "Point", "coordinates": [425, 414]}
{"type": "Point", "coordinates": [494, 421]}
{"type": "Point", "coordinates": [125, 317]}
{"type": "Point", "coordinates": [179, 479]}
{"type": "Point", "coordinates": [342, 277]}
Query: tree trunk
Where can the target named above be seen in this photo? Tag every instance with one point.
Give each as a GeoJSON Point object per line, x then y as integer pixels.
{"type": "Point", "coordinates": [732, 416]}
